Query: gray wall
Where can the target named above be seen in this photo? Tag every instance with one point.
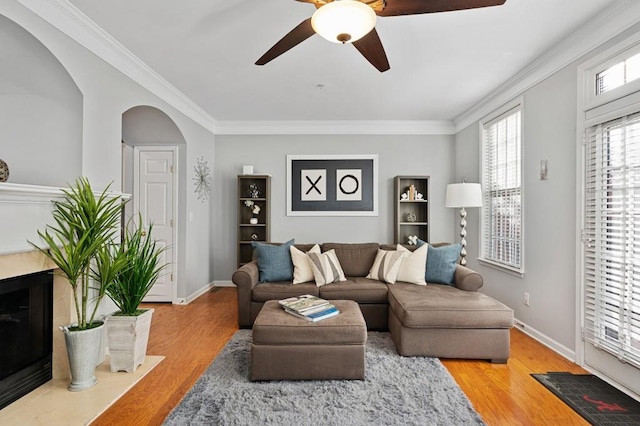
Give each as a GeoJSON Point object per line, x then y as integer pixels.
{"type": "Point", "coordinates": [40, 112]}
{"type": "Point", "coordinates": [549, 118]}
{"type": "Point", "coordinates": [398, 155]}
{"type": "Point", "coordinates": [550, 213]}
{"type": "Point", "coordinates": [91, 145]}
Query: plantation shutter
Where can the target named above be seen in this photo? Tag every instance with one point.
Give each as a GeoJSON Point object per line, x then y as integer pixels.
{"type": "Point", "coordinates": [612, 237]}
{"type": "Point", "coordinates": [502, 203]}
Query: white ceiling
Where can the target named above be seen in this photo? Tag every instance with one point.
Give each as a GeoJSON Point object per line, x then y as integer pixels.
{"type": "Point", "coordinates": [441, 64]}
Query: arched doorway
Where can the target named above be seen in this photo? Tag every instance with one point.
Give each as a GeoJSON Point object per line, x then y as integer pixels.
{"type": "Point", "coordinates": [151, 146]}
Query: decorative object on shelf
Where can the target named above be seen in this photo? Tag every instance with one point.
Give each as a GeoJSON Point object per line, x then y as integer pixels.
{"type": "Point", "coordinates": [409, 196]}
{"type": "Point", "coordinates": [413, 240]}
{"type": "Point", "coordinates": [410, 217]}
{"type": "Point", "coordinates": [4, 171]}
{"type": "Point", "coordinates": [254, 191]}
{"type": "Point", "coordinates": [254, 237]}
{"type": "Point", "coordinates": [461, 195]}
{"type": "Point", "coordinates": [255, 210]}
{"type": "Point", "coordinates": [202, 179]}
{"type": "Point", "coordinates": [247, 170]}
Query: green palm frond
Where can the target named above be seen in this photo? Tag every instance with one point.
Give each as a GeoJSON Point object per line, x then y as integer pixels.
{"type": "Point", "coordinates": [142, 257]}
{"type": "Point", "coordinates": [84, 225]}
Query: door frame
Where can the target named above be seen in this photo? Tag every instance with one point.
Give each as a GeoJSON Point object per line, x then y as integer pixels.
{"type": "Point", "coordinates": [136, 203]}
{"type": "Point", "coordinates": [618, 102]}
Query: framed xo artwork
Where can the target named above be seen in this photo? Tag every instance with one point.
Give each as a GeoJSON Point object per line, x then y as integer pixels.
{"type": "Point", "coordinates": [332, 185]}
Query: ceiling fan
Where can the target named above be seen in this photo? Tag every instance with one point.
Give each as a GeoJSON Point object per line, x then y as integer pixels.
{"type": "Point", "coordinates": [353, 21]}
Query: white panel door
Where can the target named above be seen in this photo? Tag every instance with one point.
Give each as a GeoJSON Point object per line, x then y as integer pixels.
{"type": "Point", "coordinates": [154, 195]}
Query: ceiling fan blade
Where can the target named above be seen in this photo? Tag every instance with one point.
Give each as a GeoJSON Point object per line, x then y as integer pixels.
{"type": "Point", "coordinates": [371, 48]}
{"type": "Point", "coordinates": [292, 39]}
{"type": "Point", "coordinates": [416, 7]}
{"type": "Point", "coordinates": [318, 3]}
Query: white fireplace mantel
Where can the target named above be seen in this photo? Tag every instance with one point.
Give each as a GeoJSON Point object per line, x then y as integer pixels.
{"type": "Point", "coordinates": [25, 209]}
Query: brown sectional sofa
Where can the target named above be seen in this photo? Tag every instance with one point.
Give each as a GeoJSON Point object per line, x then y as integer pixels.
{"type": "Point", "coordinates": [433, 320]}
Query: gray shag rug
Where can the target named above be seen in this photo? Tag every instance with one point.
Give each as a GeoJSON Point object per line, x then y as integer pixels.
{"type": "Point", "coordinates": [397, 390]}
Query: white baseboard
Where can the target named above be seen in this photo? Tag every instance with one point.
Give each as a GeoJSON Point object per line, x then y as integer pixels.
{"type": "Point", "coordinates": [223, 284]}
{"type": "Point", "coordinates": [193, 296]}
{"type": "Point", "coordinates": [546, 340]}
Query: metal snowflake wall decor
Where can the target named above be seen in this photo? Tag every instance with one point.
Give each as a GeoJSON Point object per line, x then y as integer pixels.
{"type": "Point", "coordinates": [202, 179]}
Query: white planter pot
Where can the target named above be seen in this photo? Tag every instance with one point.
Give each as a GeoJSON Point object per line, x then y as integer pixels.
{"type": "Point", "coordinates": [127, 338]}
{"type": "Point", "coordinates": [83, 349]}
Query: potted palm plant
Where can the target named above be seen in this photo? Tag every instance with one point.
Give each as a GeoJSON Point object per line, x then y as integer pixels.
{"type": "Point", "coordinates": [128, 328]}
{"type": "Point", "coordinates": [84, 224]}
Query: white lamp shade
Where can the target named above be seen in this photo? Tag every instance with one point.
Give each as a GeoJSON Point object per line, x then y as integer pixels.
{"type": "Point", "coordinates": [343, 21]}
{"type": "Point", "coordinates": [463, 195]}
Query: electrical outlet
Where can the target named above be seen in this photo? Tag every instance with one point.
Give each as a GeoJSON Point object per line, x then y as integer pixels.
{"type": "Point", "coordinates": [526, 298]}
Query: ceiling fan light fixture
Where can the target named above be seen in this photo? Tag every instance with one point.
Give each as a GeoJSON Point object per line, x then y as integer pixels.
{"type": "Point", "coordinates": [343, 21]}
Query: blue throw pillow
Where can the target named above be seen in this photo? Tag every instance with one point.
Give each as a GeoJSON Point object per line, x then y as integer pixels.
{"type": "Point", "coordinates": [441, 263]}
{"type": "Point", "coordinates": [274, 262]}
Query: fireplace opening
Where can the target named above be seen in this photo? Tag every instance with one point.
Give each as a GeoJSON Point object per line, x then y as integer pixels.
{"type": "Point", "coordinates": [26, 330]}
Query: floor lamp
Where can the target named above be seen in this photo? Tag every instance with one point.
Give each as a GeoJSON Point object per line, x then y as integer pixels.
{"type": "Point", "coordinates": [463, 195]}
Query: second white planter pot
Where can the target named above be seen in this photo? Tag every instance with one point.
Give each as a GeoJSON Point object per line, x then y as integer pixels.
{"type": "Point", "coordinates": [127, 338]}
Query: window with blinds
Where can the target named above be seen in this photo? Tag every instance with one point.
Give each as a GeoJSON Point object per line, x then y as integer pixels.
{"type": "Point", "coordinates": [612, 237]}
{"type": "Point", "coordinates": [502, 184]}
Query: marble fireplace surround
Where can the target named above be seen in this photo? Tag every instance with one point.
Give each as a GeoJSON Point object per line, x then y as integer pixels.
{"type": "Point", "coordinates": [23, 210]}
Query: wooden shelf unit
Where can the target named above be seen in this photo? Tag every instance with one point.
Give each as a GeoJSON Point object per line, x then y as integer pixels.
{"type": "Point", "coordinates": [420, 208]}
{"type": "Point", "coordinates": [262, 230]}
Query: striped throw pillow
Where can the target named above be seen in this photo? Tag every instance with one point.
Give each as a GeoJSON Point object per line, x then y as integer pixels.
{"type": "Point", "coordinates": [326, 267]}
{"type": "Point", "coordinates": [386, 266]}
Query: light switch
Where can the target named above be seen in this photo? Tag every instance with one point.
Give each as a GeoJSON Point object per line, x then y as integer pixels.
{"type": "Point", "coordinates": [543, 170]}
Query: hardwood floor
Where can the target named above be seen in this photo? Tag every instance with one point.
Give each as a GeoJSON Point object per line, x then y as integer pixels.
{"type": "Point", "coordinates": [191, 336]}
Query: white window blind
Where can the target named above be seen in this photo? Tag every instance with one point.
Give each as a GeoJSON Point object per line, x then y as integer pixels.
{"type": "Point", "coordinates": [612, 237]}
{"type": "Point", "coordinates": [502, 185]}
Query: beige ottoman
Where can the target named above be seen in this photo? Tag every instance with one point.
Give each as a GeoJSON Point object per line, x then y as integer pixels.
{"type": "Point", "coordinates": [289, 348]}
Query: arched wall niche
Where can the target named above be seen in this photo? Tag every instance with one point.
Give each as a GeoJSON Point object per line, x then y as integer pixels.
{"type": "Point", "coordinates": [41, 111]}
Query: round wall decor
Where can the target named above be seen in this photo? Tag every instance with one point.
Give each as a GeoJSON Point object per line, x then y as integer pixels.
{"type": "Point", "coordinates": [4, 171]}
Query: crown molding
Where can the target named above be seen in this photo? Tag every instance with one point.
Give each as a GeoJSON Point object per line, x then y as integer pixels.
{"type": "Point", "coordinates": [619, 17]}
{"type": "Point", "coordinates": [71, 21]}
{"type": "Point", "coordinates": [68, 19]}
{"type": "Point", "coordinates": [377, 127]}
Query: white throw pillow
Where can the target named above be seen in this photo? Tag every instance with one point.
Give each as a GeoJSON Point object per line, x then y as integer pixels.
{"type": "Point", "coordinates": [386, 266]}
{"type": "Point", "coordinates": [414, 265]}
{"type": "Point", "coordinates": [302, 271]}
{"type": "Point", "coordinates": [326, 267]}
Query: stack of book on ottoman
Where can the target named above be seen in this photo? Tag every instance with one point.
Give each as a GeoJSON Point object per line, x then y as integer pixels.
{"type": "Point", "coordinates": [309, 307]}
